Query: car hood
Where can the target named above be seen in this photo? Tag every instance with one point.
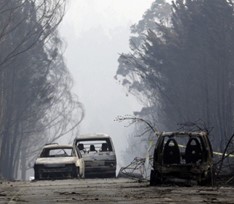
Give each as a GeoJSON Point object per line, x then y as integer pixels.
{"type": "Point", "coordinates": [56, 160]}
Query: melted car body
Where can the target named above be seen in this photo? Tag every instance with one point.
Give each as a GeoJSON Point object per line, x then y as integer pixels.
{"type": "Point", "coordinates": [186, 155]}
{"type": "Point", "coordinates": [59, 161]}
{"type": "Point", "coordinates": [98, 153]}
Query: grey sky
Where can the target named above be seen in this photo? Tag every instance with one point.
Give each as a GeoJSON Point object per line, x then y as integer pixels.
{"type": "Point", "coordinates": [95, 32]}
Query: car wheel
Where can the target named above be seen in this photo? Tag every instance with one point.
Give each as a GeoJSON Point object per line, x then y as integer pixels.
{"type": "Point", "coordinates": [112, 175]}
{"type": "Point", "coordinates": [37, 175]}
{"type": "Point", "coordinates": [77, 173]}
{"type": "Point", "coordinates": [155, 178]}
{"type": "Point", "coordinates": [206, 180]}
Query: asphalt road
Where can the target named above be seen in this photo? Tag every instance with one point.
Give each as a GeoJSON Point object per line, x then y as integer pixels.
{"type": "Point", "coordinates": [124, 191]}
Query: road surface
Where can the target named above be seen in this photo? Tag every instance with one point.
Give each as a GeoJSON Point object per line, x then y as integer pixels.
{"type": "Point", "coordinates": [105, 191]}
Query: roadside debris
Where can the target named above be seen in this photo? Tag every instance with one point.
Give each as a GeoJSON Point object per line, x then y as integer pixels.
{"type": "Point", "coordinates": [135, 170]}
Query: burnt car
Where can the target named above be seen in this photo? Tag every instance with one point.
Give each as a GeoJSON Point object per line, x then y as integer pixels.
{"type": "Point", "coordinates": [183, 155]}
{"type": "Point", "coordinates": [59, 161]}
{"type": "Point", "coordinates": [98, 153]}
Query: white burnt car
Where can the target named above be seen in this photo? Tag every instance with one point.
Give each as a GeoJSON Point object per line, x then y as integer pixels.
{"type": "Point", "coordinates": [59, 161]}
{"type": "Point", "coordinates": [98, 153]}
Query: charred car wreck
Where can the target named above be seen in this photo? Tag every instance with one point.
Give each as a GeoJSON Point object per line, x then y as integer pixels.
{"type": "Point", "coordinates": [185, 155]}
{"type": "Point", "coordinates": [98, 153]}
{"type": "Point", "coordinates": [59, 161]}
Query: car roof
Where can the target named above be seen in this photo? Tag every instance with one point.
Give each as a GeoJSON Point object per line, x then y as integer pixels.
{"type": "Point", "coordinates": [57, 146]}
{"type": "Point", "coordinates": [93, 136]}
{"type": "Point", "coordinates": [183, 133]}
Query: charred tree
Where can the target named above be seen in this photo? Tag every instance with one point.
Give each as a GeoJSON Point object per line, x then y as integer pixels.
{"type": "Point", "coordinates": [36, 103]}
{"type": "Point", "coordinates": [183, 70]}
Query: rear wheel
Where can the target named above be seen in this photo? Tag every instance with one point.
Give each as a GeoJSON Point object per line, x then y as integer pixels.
{"type": "Point", "coordinates": [75, 172]}
{"type": "Point", "coordinates": [155, 178]}
{"type": "Point", "coordinates": [207, 179]}
{"type": "Point", "coordinates": [78, 172]}
{"type": "Point", "coordinates": [112, 175]}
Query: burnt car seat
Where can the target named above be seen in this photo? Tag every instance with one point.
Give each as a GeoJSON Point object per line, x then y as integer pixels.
{"type": "Point", "coordinates": [104, 147]}
{"type": "Point", "coordinates": [92, 148]}
{"type": "Point", "coordinates": [81, 146]}
{"type": "Point", "coordinates": [193, 152]}
{"type": "Point", "coordinates": [171, 152]}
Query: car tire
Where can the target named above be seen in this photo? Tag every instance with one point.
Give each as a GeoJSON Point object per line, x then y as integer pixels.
{"type": "Point", "coordinates": [112, 175]}
{"type": "Point", "coordinates": [155, 178]}
{"type": "Point", "coordinates": [37, 175]}
{"type": "Point", "coordinates": [207, 180]}
{"type": "Point", "coordinates": [77, 173]}
{"type": "Point", "coordinates": [74, 173]}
